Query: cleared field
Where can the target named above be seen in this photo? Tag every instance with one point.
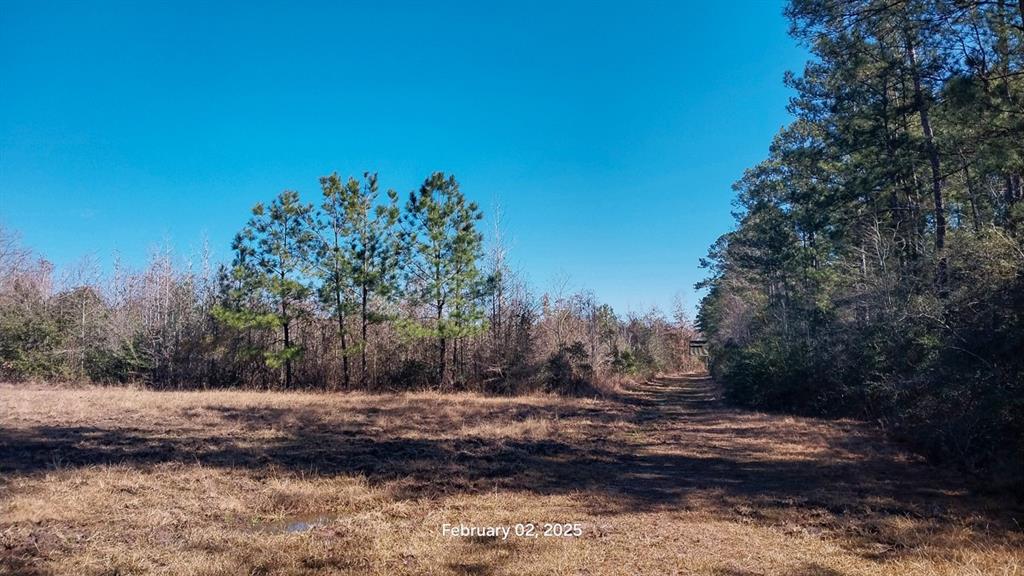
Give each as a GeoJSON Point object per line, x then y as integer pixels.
{"type": "Point", "coordinates": [664, 480]}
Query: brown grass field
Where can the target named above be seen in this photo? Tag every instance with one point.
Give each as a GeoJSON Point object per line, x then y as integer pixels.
{"type": "Point", "coordinates": [663, 480]}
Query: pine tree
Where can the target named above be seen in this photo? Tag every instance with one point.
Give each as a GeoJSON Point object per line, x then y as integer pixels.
{"type": "Point", "coordinates": [443, 269]}
{"type": "Point", "coordinates": [333, 259]}
{"type": "Point", "coordinates": [375, 250]}
{"type": "Point", "coordinates": [273, 257]}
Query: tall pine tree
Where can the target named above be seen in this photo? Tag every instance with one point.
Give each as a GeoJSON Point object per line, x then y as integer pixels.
{"type": "Point", "coordinates": [273, 253]}
{"type": "Point", "coordinates": [333, 259]}
{"type": "Point", "coordinates": [440, 231]}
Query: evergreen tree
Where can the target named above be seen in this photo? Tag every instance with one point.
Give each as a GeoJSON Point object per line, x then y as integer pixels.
{"type": "Point", "coordinates": [443, 269]}
{"type": "Point", "coordinates": [333, 258]}
{"type": "Point", "coordinates": [364, 250]}
{"type": "Point", "coordinates": [272, 258]}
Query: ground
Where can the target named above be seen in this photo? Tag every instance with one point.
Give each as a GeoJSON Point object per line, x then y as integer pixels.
{"type": "Point", "coordinates": [664, 479]}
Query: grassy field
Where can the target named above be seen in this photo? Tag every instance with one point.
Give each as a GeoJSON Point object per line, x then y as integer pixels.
{"type": "Point", "coordinates": [663, 480]}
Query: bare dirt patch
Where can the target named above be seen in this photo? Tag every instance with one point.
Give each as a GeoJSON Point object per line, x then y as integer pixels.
{"type": "Point", "coordinates": [663, 480]}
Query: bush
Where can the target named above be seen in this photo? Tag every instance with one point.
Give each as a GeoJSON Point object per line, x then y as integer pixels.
{"type": "Point", "coordinates": [568, 371]}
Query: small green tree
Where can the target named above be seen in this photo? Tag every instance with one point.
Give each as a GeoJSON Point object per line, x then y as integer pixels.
{"type": "Point", "coordinates": [445, 250]}
{"type": "Point", "coordinates": [273, 257]}
{"type": "Point", "coordinates": [375, 248]}
{"type": "Point", "coordinates": [333, 259]}
{"type": "Point", "coordinates": [360, 250]}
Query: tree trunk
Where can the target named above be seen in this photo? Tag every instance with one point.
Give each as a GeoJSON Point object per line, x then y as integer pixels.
{"type": "Point", "coordinates": [287, 359]}
{"type": "Point", "coordinates": [933, 159]}
{"type": "Point", "coordinates": [287, 344]}
{"type": "Point", "coordinates": [456, 368]}
{"type": "Point", "coordinates": [441, 346]}
{"type": "Point", "coordinates": [341, 335]}
{"type": "Point", "coordinates": [1012, 192]}
{"type": "Point", "coordinates": [975, 224]}
{"type": "Point", "coordinates": [365, 322]}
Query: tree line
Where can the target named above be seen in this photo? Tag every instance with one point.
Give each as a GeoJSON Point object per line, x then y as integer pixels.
{"type": "Point", "coordinates": [357, 290]}
{"type": "Point", "coordinates": [877, 268]}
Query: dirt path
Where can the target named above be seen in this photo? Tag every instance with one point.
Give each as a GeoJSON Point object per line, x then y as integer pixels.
{"type": "Point", "coordinates": [664, 480]}
{"type": "Point", "coordinates": [686, 448]}
{"type": "Point", "coordinates": [690, 445]}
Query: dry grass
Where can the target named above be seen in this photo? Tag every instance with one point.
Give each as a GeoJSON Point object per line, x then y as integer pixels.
{"type": "Point", "coordinates": [664, 481]}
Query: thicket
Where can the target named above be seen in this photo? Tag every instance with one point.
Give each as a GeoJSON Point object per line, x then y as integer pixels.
{"type": "Point", "coordinates": [877, 268]}
{"type": "Point", "coordinates": [355, 291]}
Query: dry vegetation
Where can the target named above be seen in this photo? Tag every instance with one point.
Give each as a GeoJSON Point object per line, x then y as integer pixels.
{"type": "Point", "coordinates": [664, 479]}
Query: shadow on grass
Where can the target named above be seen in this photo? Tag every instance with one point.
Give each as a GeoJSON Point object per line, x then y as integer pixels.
{"type": "Point", "coordinates": [635, 482]}
{"type": "Point", "coordinates": [729, 476]}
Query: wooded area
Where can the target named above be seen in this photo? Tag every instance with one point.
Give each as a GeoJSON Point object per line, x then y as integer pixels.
{"type": "Point", "coordinates": [352, 292]}
{"type": "Point", "coordinates": [878, 266]}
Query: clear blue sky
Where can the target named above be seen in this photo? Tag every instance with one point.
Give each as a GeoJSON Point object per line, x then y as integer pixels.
{"type": "Point", "coordinates": [608, 133]}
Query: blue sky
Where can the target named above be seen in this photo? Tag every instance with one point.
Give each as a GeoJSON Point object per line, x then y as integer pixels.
{"type": "Point", "coordinates": [608, 133]}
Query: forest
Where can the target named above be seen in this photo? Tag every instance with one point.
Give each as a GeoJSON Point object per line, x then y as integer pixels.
{"type": "Point", "coordinates": [355, 290]}
{"type": "Point", "coordinates": [877, 265]}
